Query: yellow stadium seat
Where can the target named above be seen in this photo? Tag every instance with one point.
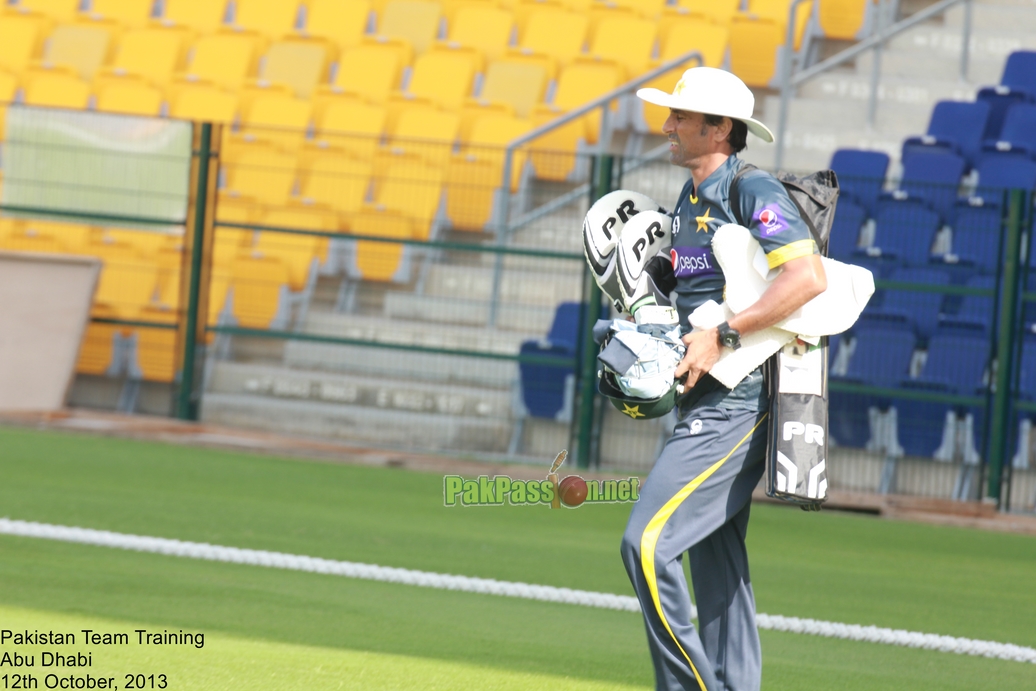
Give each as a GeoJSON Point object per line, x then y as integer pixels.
{"type": "Point", "coordinates": [754, 44]}
{"type": "Point", "coordinates": [353, 126]}
{"type": "Point", "coordinates": [83, 47]}
{"type": "Point", "coordinates": [777, 12]}
{"type": "Point", "coordinates": [554, 154]}
{"type": "Point", "coordinates": [844, 19]}
{"type": "Point", "coordinates": [96, 348]}
{"type": "Point", "coordinates": [260, 287]}
{"type": "Point", "coordinates": [381, 261]}
{"type": "Point", "coordinates": [262, 174]}
{"type": "Point", "coordinates": [20, 41]}
{"type": "Point", "coordinates": [444, 78]}
{"type": "Point", "coordinates": [474, 109]}
{"type": "Point", "coordinates": [628, 41]}
{"type": "Point", "coordinates": [684, 36]}
{"type": "Point", "coordinates": [413, 188]}
{"type": "Point", "coordinates": [8, 89]}
{"type": "Point", "coordinates": [558, 34]}
{"type": "Point", "coordinates": [144, 243]}
{"type": "Point", "coordinates": [450, 8]}
{"type": "Point", "coordinates": [57, 10]}
{"type": "Point", "coordinates": [57, 89]}
{"type": "Point", "coordinates": [523, 9]}
{"type": "Point", "coordinates": [204, 103]}
{"type": "Point", "coordinates": [648, 9]}
{"type": "Point", "coordinates": [199, 17]}
{"type": "Point", "coordinates": [43, 238]}
{"type": "Point", "coordinates": [301, 254]}
{"type": "Point", "coordinates": [224, 60]}
{"type": "Point", "coordinates": [129, 98]}
{"type": "Point", "coordinates": [277, 120]}
{"type": "Point", "coordinates": [169, 260]}
{"type": "Point", "coordinates": [72, 237]}
{"type": "Point", "coordinates": [342, 24]}
{"type": "Point", "coordinates": [716, 11]}
{"type": "Point", "coordinates": [269, 18]}
{"type": "Point", "coordinates": [128, 13]}
{"type": "Point", "coordinates": [219, 287]}
{"type": "Point", "coordinates": [333, 180]}
{"type": "Point", "coordinates": [425, 132]}
{"type": "Point", "coordinates": [484, 27]}
{"type": "Point", "coordinates": [150, 54]}
{"type": "Point", "coordinates": [156, 348]}
{"type": "Point", "coordinates": [127, 286]}
{"type": "Point", "coordinates": [230, 242]}
{"type": "Point", "coordinates": [370, 71]}
{"type": "Point", "coordinates": [300, 65]}
{"type": "Point", "coordinates": [474, 175]}
{"type": "Point", "coordinates": [416, 21]}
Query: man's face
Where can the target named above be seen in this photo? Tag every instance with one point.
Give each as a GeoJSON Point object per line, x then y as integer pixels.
{"type": "Point", "coordinates": [689, 137]}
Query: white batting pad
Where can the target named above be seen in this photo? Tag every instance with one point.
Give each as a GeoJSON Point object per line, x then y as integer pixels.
{"type": "Point", "coordinates": [602, 228]}
{"type": "Point", "coordinates": [645, 237]}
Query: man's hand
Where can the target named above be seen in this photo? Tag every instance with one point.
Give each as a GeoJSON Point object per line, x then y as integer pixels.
{"type": "Point", "coordinates": [703, 350]}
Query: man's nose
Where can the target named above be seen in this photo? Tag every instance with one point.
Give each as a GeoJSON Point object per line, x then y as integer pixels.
{"type": "Point", "coordinates": [668, 126]}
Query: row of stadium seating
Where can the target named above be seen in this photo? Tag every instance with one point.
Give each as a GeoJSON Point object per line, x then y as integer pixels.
{"type": "Point", "coordinates": [923, 232]}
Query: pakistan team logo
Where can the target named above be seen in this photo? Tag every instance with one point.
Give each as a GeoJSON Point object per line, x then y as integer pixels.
{"type": "Point", "coordinates": [570, 491]}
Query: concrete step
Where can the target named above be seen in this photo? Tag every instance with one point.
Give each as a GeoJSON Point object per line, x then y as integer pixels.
{"type": "Point", "coordinates": [406, 394]}
{"type": "Point", "coordinates": [821, 114]}
{"type": "Point", "coordinates": [947, 41]}
{"type": "Point", "coordinates": [933, 65]}
{"type": "Point", "coordinates": [387, 331]}
{"type": "Point", "coordinates": [388, 427]}
{"type": "Point", "coordinates": [809, 150]}
{"type": "Point", "coordinates": [998, 17]}
{"type": "Point", "coordinates": [472, 371]}
{"type": "Point", "coordinates": [557, 281]}
{"type": "Point", "coordinates": [525, 319]}
{"type": "Point", "coordinates": [893, 90]}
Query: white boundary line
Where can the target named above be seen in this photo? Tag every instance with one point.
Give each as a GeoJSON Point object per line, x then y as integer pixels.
{"type": "Point", "coordinates": [487, 586]}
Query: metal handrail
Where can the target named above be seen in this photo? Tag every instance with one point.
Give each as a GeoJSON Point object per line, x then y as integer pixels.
{"type": "Point", "coordinates": [599, 102]}
{"type": "Point", "coordinates": [874, 42]}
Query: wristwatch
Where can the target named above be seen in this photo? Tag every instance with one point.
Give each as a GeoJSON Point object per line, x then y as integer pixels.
{"type": "Point", "coordinates": [731, 338]}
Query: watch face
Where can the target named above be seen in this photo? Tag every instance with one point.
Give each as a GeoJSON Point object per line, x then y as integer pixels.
{"type": "Point", "coordinates": [730, 340]}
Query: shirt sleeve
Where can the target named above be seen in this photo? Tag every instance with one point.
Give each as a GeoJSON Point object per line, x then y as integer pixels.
{"type": "Point", "coordinates": [774, 220]}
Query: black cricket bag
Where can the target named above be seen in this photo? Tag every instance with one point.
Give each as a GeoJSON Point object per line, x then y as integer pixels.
{"type": "Point", "coordinates": [796, 454]}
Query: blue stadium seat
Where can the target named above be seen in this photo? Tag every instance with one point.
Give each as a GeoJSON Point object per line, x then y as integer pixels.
{"type": "Point", "coordinates": [974, 311]}
{"type": "Point", "coordinates": [917, 307]}
{"type": "Point", "coordinates": [845, 232]}
{"type": "Point", "coordinates": [1020, 71]}
{"type": "Point", "coordinates": [861, 174]}
{"type": "Point", "coordinates": [976, 235]}
{"type": "Point", "coordinates": [545, 388]}
{"type": "Point", "coordinates": [955, 125]}
{"type": "Point", "coordinates": [904, 230]}
{"type": "Point", "coordinates": [1003, 171]}
{"type": "Point", "coordinates": [1000, 99]}
{"type": "Point", "coordinates": [955, 364]}
{"type": "Point", "coordinates": [1018, 134]}
{"type": "Point", "coordinates": [881, 357]}
{"type": "Point", "coordinates": [1027, 375]}
{"type": "Point", "coordinates": [932, 176]}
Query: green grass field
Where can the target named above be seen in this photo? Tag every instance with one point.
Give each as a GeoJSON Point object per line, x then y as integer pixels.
{"type": "Point", "coordinates": [270, 629]}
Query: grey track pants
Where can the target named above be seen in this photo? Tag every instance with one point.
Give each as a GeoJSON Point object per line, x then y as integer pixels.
{"type": "Point", "coordinates": [697, 500]}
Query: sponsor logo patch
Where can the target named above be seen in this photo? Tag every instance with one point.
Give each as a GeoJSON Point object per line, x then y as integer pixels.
{"type": "Point", "coordinates": [770, 220]}
{"type": "Point", "coordinates": [692, 261]}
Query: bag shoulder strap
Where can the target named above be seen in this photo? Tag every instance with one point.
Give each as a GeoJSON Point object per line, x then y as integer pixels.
{"type": "Point", "coordinates": [734, 196]}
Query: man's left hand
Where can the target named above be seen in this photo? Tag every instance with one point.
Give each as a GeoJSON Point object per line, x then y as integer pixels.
{"type": "Point", "coordinates": [703, 350]}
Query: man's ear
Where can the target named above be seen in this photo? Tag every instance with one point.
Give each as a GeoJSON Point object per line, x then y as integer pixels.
{"type": "Point", "coordinates": [722, 131]}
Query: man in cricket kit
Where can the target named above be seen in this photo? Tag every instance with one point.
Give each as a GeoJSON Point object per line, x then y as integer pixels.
{"type": "Point", "coordinates": [698, 496]}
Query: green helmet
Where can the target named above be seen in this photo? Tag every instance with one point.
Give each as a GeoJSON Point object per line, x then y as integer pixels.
{"type": "Point", "coordinates": [636, 408]}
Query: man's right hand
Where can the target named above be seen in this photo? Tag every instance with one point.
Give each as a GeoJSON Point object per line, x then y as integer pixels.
{"type": "Point", "coordinates": [703, 351]}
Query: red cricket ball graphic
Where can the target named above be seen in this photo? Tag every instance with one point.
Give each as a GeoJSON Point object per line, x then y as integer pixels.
{"type": "Point", "coordinates": [572, 490]}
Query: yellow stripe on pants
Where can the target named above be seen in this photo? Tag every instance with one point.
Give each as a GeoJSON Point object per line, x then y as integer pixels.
{"type": "Point", "coordinates": [654, 528]}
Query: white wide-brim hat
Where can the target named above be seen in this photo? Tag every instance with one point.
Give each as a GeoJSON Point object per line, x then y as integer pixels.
{"type": "Point", "coordinates": [714, 92]}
